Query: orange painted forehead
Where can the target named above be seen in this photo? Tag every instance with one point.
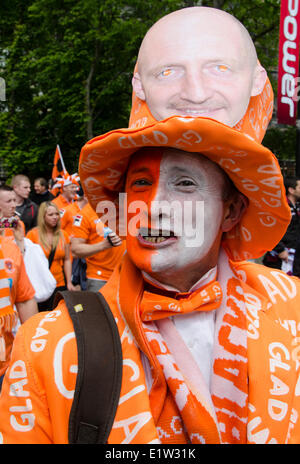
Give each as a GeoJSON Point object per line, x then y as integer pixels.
{"type": "Point", "coordinates": [145, 155]}
{"type": "Point", "coordinates": [145, 161]}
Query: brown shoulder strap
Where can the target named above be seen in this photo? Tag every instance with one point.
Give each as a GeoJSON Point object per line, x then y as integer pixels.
{"type": "Point", "coordinates": [99, 376]}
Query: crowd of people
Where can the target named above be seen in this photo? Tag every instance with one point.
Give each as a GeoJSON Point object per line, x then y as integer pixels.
{"type": "Point", "coordinates": [209, 338]}
{"type": "Point", "coordinates": [47, 220]}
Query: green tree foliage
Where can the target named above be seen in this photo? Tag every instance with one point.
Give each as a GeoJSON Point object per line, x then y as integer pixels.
{"type": "Point", "coordinates": [67, 66]}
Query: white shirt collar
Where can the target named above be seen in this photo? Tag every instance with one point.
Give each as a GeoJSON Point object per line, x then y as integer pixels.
{"type": "Point", "coordinates": [204, 280]}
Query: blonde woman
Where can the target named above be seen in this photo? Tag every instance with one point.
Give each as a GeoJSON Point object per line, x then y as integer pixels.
{"type": "Point", "coordinates": [56, 245]}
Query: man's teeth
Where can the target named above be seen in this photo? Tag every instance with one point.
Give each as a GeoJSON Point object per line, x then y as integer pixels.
{"type": "Point", "coordinates": [155, 239]}
{"type": "Point", "coordinates": [156, 236]}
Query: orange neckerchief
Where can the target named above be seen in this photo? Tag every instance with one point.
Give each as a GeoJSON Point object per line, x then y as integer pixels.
{"type": "Point", "coordinates": [155, 306]}
{"type": "Point", "coordinates": [253, 395]}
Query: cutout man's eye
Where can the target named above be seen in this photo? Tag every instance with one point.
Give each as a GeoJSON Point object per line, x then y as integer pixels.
{"type": "Point", "coordinates": [222, 68]}
{"type": "Point", "coordinates": [166, 72]}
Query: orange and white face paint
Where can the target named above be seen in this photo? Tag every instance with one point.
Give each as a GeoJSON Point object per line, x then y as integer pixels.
{"type": "Point", "coordinates": [178, 194]}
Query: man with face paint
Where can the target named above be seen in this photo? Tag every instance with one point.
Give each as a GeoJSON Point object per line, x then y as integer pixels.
{"type": "Point", "coordinates": [177, 245]}
{"type": "Point", "coordinates": [207, 356]}
{"type": "Point", "coordinates": [210, 341]}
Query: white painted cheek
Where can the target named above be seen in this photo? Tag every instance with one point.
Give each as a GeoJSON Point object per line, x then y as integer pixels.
{"type": "Point", "coordinates": [191, 246]}
{"type": "Point", "coordinates": [192, 249]}
{"type": "Point", "coordinates": [213, 214]}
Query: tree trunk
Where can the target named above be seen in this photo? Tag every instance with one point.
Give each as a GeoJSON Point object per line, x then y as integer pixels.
{"type": "Point", "coordinates": [88, 110]}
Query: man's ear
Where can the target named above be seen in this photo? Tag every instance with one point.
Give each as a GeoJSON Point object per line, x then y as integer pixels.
{"type": "Point", "coordinates": [137, 86]}
{"type": "Point", "coordinates": [259, 80]}
{"type": "Point", "coordinates": [233, 211]}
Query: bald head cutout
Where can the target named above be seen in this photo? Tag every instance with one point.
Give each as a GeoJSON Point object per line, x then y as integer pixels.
{"type": "Point", "coordinates": [198, 61]}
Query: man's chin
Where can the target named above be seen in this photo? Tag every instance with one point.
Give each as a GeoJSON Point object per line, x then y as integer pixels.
{"type": "Point", "coordinates": [218, 115]}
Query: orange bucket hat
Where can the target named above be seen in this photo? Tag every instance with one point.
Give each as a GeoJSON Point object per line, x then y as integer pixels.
{"type": "Point", "coordinates": [253, 169]}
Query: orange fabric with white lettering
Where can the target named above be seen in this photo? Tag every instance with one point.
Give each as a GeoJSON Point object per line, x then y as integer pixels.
{"type": "Point", "coordinates": [154, 306]}
{"type": "Point", "coordinates": [100, 265]}
{"type": "Point", "coordinates": [60, 252]}
{"type": "Point", "coordinates": [170, 396]}
{"type": "Point", "coordinates": [36, 400]}
{"type": "Point", "coordinates": [19, 290]}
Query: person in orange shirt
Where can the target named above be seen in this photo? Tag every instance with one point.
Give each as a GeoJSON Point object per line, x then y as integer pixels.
{"type": "Point", "coordinates": [21, 296]}
{"type": "Point", "coordinates": [68, 186]}
{"type": "Point", "coordinates": [208, 354]}
{"type": "Point", "coordinates": [51, 238]}
{"type": "Point", "coordinates": [101, 253]}
{"type": "Point", "coordinates": [72, 210]}
{"type": "Point", "coordinates": [67, 219]}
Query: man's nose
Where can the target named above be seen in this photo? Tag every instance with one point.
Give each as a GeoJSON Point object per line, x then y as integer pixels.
{"type": "Point", "coordinates": [195, 87]}
{"type": "Point", "coordinates": [160, 208]}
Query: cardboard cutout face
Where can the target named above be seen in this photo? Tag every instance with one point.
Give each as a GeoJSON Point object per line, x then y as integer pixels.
{"type": "Point", "coordinates": [198, 62]}
{"type": "Point", "coordinates": [181, 215]}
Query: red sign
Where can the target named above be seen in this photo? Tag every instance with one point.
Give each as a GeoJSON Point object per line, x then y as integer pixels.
{"type": "Point", "coordinates": [288, 66]}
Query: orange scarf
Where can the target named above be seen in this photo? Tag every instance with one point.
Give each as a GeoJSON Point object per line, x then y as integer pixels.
{"type": "Point", "coordinates": [182, 411]}
{"type": "Point", "coordinates": [182, 400]}
{"type": "Point", "coordinates": [253, 396]}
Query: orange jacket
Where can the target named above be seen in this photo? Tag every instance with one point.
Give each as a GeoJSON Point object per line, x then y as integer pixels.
{"type": "Point", "coordinates": [20, 290]}
{"type": "Point", "coordinates": [39, 385]}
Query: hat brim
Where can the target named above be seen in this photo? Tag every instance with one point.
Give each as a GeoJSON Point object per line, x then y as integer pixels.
{"type": "Point", "coordinates": [252, 168]}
